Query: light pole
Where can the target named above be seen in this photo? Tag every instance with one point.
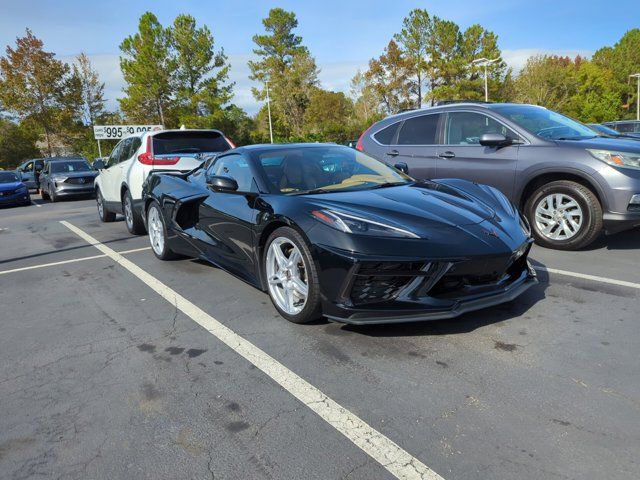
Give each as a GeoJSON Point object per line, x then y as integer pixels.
{"type": "Point", "coordinates": [269, 112]}
{"type": "Point", "coordinates": [637, 76]}
{"type": "Point", "coordinates": [485, 62]}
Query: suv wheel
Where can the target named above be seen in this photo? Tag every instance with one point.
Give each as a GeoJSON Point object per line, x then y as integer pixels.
{"type": "Point", "coordinates": [564, 215]}
{"type": "Point", "coordinates": [133, 220]}
{"type": "Point", "coordinates": [104, 214]}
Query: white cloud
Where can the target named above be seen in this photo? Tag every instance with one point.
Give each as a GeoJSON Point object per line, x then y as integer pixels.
{"type": "Point", "coordinates": [517, 59]}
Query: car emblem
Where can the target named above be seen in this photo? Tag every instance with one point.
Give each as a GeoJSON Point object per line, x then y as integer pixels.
{"type": "Point", "coordinates": [491, 233]}
{"type": "Point", "coordinates": [81, 180]}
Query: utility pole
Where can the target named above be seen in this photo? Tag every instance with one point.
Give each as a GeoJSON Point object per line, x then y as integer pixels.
{"type": "Point", "coordinates": [484, 62]}
{"type": "Point", "coordinates": [637, 76]}
{"type": "Point", "coordinates": [269, 112]}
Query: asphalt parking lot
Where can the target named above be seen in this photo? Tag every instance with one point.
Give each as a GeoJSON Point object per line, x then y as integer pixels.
{"type": "Point", "coordinates": [102, 375]}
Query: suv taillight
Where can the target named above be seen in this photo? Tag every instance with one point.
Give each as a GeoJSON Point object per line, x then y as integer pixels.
{"type": "Point", "coordinates": [147, 158]}
{"type": "Point", "coordinates": [230, 142]}
{"type": "Point", "coordinates": [359, 145]}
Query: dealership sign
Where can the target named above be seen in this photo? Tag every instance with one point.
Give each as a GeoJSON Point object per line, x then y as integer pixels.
{"type": "Point", "coordinates": [116, 132]}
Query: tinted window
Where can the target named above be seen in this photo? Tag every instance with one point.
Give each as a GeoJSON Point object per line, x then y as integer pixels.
{"type": "Point", "coordinates": [135, 145]}
{"type": "Point", "coordinates": [419, 130]}
{"type": "Point", "coordinates": [8, 177]}
{"type": "Point", "coordinates": [466, 128]}
{"type": "Point", "coordinates": [386, 135]}
{"type": "Point", "coordinates": [115, 153]}
{"type": "Point", "coordinates": [125, 150]}
{"type": "Point", "coordinates": [236, 167]}
{"type": "Point", "coordinates": [624, 127]}
{"type": "Point", "coordinates": [68, 167]}
{"type": "Point", "coordinates": [188, 142]}
{"type": "Point", "coordinates": [544, 123]}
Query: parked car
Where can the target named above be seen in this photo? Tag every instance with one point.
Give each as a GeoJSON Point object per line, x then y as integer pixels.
{"type": "Point", "coordinates": [605, 131]}
{"type": "Point", "coordinates": [13, 191]}
{"type": "Point", "coordinates": [119, 185]}
{"type": "Point", "coordinates": [569, 181]}
{"type": "Point", "coordinates": [65, 177]}
{"type": "Point", "coordinates": [628, 127]}
{"type": "Point", "coordinates": [30, 171]}
{"type": "Point", "coordinates": [318, 227]}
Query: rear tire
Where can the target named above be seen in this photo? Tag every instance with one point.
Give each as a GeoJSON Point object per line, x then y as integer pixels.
{"type": "Point", "coordinates": [284, 274]}
{"type": "Point", "coordinates": [564, 215]}
{"type": "Point", "coordinates": [134, 222]}
{"type": "Point", "coordinates": [158, 233]}
{"type": "Point", "coordinates": [104, 214]}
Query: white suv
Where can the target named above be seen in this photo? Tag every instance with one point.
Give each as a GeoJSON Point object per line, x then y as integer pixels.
{"type": "Point", "coordinates": [119, 185]}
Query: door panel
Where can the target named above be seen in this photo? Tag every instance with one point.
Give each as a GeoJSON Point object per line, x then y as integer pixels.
{"type": "Point", "coordinates": [462, 156]}
{"type": "Point", "coordinates": [416, 146]}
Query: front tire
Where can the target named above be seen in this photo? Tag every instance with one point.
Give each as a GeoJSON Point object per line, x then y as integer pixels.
{"type": "Point", "coordinates": [104, 214]}
{"type": "Point", "coordinates": [564, 215]}
{"type": "Point", "coordinates": [134, 222]}
{"type": "Point", "coordinates": [52, 194]}
{"type": "Point", "coordinates": [292, 277]}
{"type": "Point", "coordinates": [158, 233]}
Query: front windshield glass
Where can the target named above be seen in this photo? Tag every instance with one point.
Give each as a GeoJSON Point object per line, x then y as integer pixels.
{"type": "Point", "coordinates": [68, 167]}
{"type": "Point", "coordinates": [545, 123]}
{"type": "Point", "coordinates": [8, 177]}
{"type": "Point", "coordinates": [325, 169]}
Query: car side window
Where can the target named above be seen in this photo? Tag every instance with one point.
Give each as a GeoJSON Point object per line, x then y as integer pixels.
{"type": "Point", "coordinates": [135, 145]}
{"type": "Point", "coordinates": [466, 128]}
{"type": "Point", "coordinates": [420, 130]}
{"type": "Point", "coordinates": [236, 167]}
{"type": "Point", "coordinates": [624, 127]}
{"type": "Point", "coordinates": [124, 153]}
{"type": "Point", "coordinates": [113, 158]}
{"type": "Point", "coordinates": [387, 135]}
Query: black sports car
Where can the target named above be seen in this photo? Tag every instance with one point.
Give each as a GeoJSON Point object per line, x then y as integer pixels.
{"type": "Point", "coordinates": [328, 230]}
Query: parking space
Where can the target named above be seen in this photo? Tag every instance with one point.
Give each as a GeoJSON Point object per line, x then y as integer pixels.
{"type": "Point", "coordinates": [102, 377]}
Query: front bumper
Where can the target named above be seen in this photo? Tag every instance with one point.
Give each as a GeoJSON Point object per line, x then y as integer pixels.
{"type": "Point", "coordinates": [20, 198]}
{"type": "Point", "coordinates": [63, 189]}
{"type": "Point", "coordinates": [619, 222]}
{"type": "Point", "coordinates": [437, 290]}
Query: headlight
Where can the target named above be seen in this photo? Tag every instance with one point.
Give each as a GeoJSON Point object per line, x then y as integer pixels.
{"type": "Point", "coordinates": [59, 179]}
{"type": "Point", "coordinates": [22, 188]}
{"type": "Point", "coordinates": [617, 159]}
{"type": "Point", "coordinates": [348, 223]}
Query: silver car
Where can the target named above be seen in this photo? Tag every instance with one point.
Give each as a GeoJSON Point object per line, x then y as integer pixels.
{"type": "Point", "coordinates": [65, 177]}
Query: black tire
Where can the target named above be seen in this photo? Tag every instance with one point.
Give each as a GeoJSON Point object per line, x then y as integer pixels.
{"type": "Point", "coordinates": [51, 194]}
{"type": "Point", "coordinates": [43, 194]}
{"type": "Point", "coordinates": [591, 226]}
{"type": "Point", "coordinates": [166, 253]}
{"type": "Point", "coordinates": [103, 214]}
{"type": "Point", "coordinates": [132, 219]}
{"type": "Point", "coordinates": [312, 309]}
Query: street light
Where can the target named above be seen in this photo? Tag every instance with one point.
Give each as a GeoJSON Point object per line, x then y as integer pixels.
{"type": "Point", "coordinates": [485, 62]}
{"type": "Point", "coordinates": [637, 75]}
{"type": "Point", "coordinates": [269, 111]}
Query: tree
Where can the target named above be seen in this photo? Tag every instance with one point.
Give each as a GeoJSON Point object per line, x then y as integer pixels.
{"type": "Point", "coordinates": [389, 79]}
{"type": "Point", "coordinates": [201, 74]}
{"type": "Point", "coordinates": [327, 114]}
{"type": "Point", "coordinates": [91, 88]}
{"type": "Point", "coordinates": [415, 39]}
{"type": "Point", "coordinates": [365, 103]}
{"type": "Point", "coordinates": [548, 81]}
{"type": "Point", "coordinates": [17, 142]}
{"type": "Point", "coordinates": [33, 84]}
{"type": "Point", "coordinates": [287, 66]}
{"type": "Point", "coordinates": [148, 68]}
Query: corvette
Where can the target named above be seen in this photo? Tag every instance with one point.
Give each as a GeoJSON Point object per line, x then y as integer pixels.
{"type": "Point", "coordinates": [329, 231]}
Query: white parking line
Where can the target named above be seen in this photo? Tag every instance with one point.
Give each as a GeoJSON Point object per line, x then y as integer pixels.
{"type": "Point", "coordinates": [63, 262]}
{"type": "Point", "coordinates": [391, 456]}
{"type": "Point", "coordinates": [36, 204]}
{"type": "Point", "coordinates": [595, 278]}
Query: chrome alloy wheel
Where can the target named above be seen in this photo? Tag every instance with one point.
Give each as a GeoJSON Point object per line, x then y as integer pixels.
{"type": "Point", "coordinates": [558, 216]}
{"type": "Point", "coordinates": [128, 212]}
{"type": "Point", "coordinates": [156, 231]}
{"type": "Point", "coordinates": [287, 276]}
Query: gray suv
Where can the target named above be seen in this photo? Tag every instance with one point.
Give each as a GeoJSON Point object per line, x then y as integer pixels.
{"type": "Point", "coordinates": [569, 182]}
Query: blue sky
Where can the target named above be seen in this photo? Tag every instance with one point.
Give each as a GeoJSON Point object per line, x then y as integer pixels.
{"type": "Point", "coordinates": [342, 35]}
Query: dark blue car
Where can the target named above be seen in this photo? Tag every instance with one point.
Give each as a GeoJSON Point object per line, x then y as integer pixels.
{"type": "Point", "coordinates": [12, 190]}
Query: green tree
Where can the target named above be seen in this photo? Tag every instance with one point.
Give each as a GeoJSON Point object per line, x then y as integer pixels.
{"type": "Point", "coordinates": [148, 67]}
{"type": "Point", "coordinates": [548, 81]}
{"type": "Point", "coordinates": [415, 39]}
{"type": "Point", "coordinates": [286, 64]}
{"type": "Point", "coordinates": [34, 85]}
{"type": "Point", "coordinates": [17, 143]}
{"type": "Point", "coordinates": [202, 73]}
{"type": "Point", "coordinates": [327, 115]}
{"type": "Point", "coordinates": [388, 76]}
{"type": "Point", "coordinates": [91, 88]}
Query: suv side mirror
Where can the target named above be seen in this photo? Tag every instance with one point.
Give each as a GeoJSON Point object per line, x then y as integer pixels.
{"type": "Point", "coordinates": [222, 184]}
{"type": "Point", "coordinates": [494, 140]}
{"type": "Point", "coordinates": [99, 164]}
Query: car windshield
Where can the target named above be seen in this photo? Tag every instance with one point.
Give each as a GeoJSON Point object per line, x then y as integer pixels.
{"type": "Point", "coordinates": [545, 123]}
{"type": "Point", "coordinates": [8, 177]}
{"type": "Point", "coordinates": [189, 142]}
{"type": "Point", "coordinates": [325, 169]}
{"type": "Point", "coordinates": [68, 167]}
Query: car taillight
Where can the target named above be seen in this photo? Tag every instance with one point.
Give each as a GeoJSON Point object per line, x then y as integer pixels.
{"type": "Point", "coordinates": [147, 158]}
{"type": "Point", "coordinates": [359, 145]}
{"type": "Point", "coordinates": [230, 142]}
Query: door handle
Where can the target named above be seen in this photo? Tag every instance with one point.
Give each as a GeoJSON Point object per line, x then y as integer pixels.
{"type": "Point", "coordinates": [393, 153]}
{"type": "Point", "coordinates": [447, 154]}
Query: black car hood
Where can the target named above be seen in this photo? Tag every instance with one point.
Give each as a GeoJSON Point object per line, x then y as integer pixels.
{"type": "Point", "coordinates": [425, 203]}
{"type": "Point", "coordinates": [604, 143]}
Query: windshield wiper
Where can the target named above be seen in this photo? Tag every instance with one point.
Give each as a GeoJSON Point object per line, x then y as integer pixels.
{"type": "Point", "coordinates": [312, 192]}
{"type": "Point", "coordinates": [576, 138]}
{"type": "Point", "coordinates": [387, 184]}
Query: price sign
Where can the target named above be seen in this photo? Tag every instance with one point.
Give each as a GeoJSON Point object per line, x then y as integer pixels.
{"type": "Point", "coordinates": [116, 132]}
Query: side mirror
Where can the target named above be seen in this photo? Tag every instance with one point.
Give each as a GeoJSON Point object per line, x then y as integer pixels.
{"type": "Point", "coordinates": [99, 164]}
{"type": "Point", "coordinates": [222, 184]}
{"type": "Point", "coordinates": [403, 167]}
{"type": "Point", "coordinates": [494, 140]}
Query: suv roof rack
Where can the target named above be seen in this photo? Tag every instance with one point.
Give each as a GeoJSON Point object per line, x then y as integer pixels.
{"type": "Point", "coordinates": [449, 102]}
